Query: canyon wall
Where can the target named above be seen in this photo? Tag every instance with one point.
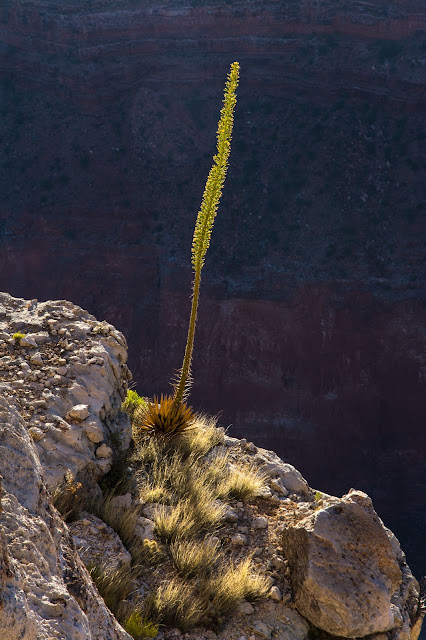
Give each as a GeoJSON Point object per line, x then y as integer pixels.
{"type": "Point", "coordinates": [311, 330]}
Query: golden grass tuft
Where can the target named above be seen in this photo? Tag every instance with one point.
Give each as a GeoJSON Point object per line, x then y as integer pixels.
{"type": "Point", "coordinates": [201, 439]}
{"type": "Point", "coordinates": [176, 603]}
{"type": "Point", "coordinates": [195, 558]}
{"type": "Point", "coordinates": [241, 482]}
{"type": "Point", "coordinates": [235, 583]}
{"type": "Point", "coordinates": [187, 519]}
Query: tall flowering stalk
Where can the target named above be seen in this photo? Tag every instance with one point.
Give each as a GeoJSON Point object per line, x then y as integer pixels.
{"type": "Point", "coordinates": [205, 219]}
{"type": "Point", "coordinates": [169, 416]}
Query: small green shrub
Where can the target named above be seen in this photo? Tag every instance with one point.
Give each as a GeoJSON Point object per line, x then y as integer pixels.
{"type": "Point", "coordinates": [132, 402]}
{"type": "Point", "coordinates": [18, 337]}
{"type": "Point", "coordinates": [139, 628]}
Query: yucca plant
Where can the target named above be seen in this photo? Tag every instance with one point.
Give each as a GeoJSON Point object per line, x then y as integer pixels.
{"type": "Point", "coordinates": [206, 217]}
{"type": "Point", "coordinates": [163, 417]}
{"type": "Point", "coordinates": [169, 415]}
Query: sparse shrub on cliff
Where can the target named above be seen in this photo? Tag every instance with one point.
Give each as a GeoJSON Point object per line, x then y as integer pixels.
{"type": "Point", "coordinates": [169, 416]}
{"type": "Point", "coordinates": [18, 337]}
{"type": "Point", "coordinates": [132, 402]}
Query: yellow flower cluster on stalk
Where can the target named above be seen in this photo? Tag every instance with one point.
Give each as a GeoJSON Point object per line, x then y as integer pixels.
{"type": "Point", "coordinates": [169, 415]}
{"type": "Point", "coordinates": [206, 217]}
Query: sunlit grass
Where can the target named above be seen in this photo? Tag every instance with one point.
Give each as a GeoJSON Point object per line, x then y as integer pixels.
{"type": "Point", "coordinates": [233, 584]}
{"type": "Point", "coordinates": [176, 603]}
{"type": "Point", "coordinates": [195, 558]}
{"type": "Point", "coordinates": [241, 482]}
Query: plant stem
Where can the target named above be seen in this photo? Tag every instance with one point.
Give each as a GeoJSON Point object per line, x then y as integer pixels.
{"type": "Point", "coordinates": [186, 367]}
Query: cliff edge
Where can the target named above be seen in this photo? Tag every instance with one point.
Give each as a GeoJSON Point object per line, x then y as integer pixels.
{"type": "Point", "coordinates": [315, 564]}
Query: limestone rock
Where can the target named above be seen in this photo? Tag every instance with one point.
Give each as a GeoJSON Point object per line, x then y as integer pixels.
{"type": "Point", "coordinates": [104, 451]}
{"type": "Point", "coordinates": [46, 593]}
{"type": "Point", "coordinates": [287, 477]}
{"type": "Point", "coordinates": [96, 542]}
{"type": "Point", "coordinates": [28, 341]}
{"type": "Point", "coordinates": [122, 502]}
{"type": "Point", "coordinates": [246, 608]}
{"type": "Point", "coordinates": [93, 429]}
{"type": "Point", "coordinates": [95, 377]}
{"type": "Point", "coordinates": [348, 575]}
{"type": "Point", "coordinates": [275, 594]}
{"type": "Point", "coordinates": [79, 412]}
{"type": "Point", "coordinates": [260, 522]}
{"type": "Point", "coordinates": [145, 529]}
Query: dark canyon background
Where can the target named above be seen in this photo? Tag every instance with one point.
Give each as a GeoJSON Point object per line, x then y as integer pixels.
{"type": "Point", "coordinates": [311, 334]}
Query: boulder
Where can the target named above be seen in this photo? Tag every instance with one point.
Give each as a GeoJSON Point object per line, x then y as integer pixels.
{"type": "Point", "coordinates": [348, 574]}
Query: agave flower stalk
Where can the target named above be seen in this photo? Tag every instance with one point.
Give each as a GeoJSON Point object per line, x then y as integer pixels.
{"type": "Point", "coordinates": [205, 220]}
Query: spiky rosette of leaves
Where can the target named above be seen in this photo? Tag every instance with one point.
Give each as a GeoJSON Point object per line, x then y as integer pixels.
{"type": "Point", "coordinates": [162, 418]}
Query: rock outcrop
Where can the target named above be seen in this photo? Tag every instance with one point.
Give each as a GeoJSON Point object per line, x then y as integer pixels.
{"type": "Point", "coordinates": [45, 590]}
{"type": "Point", "coordinates": [330, 563]}
{"type": "Point", "coordinates": [67, 376]}
{"type": "Point", "coordinates": [349, 575]}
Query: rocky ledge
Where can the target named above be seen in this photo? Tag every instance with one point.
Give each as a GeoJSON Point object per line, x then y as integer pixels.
{"type": "Point", "coordinates": [331, 564]}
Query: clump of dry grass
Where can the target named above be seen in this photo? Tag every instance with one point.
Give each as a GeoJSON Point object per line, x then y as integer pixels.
{"type": "Point", "coordinates": [123, 521]}
{"type": "Point", "coordinates": [188, 518]}
{"type": "Point", "coordinates": [68, 499]}
{"type": "Point", "coordinates": [116, 587]}
{"type": "Point", "coordinates": [195, 558]}
{"type": "Point", "coordinates": [201, 439]}
{"type": "Point", "coordinates": [241, 482]}
{"type": "Point", "coordinates": [191, 478]}
{"type": "Point", "coordinates": [233, 584]}
{"type": "Point", "coordinates": [177, 603]}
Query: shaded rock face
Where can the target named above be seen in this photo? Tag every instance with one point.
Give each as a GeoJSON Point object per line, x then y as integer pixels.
{"type": "Point", "coordinates": [349, 575]}
{"type": "Point", "coordinates": [310, 335]}
{"type": "Point", "coordinates": [45, 590]}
